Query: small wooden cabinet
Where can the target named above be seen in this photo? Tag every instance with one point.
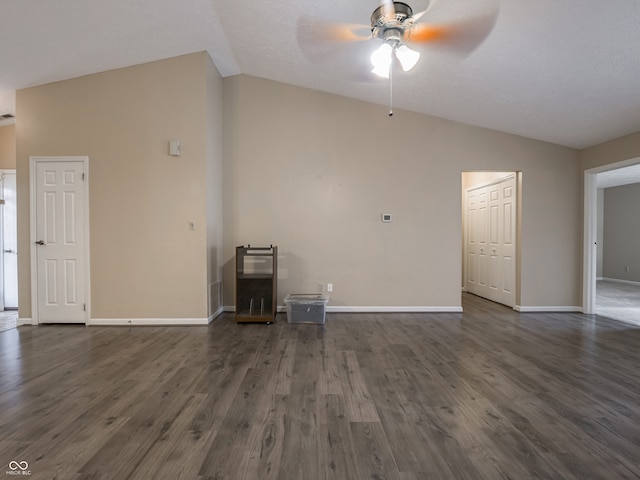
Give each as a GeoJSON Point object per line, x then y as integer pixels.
{"type": "Point", "coordinates": [256, 284]}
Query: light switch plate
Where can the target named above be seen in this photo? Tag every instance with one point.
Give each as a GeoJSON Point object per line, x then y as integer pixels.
{"type": "Point", "coordinates": [175, 148]}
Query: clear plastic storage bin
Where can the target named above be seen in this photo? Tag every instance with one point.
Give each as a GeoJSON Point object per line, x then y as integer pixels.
{"type": "Point", "coordinates": [306, 308]}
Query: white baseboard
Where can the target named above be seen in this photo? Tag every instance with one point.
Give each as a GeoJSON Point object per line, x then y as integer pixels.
{"type": "Point", "coordinates": [24, 321]}
{"type": "Point", "coordinates": [376, 309]}
{"type": "Point", "coordinates": [396, 309]}
{"type": "Point", "coordinates": [541, 309]}
{"type": "Point", "coordinates": [617, 280]}
{"type": "Point", "coordinates": [215, 314]}
{"type": "Point", "coordinates": [148, 322]}
{"type": "Point", "coordinates": [385, 309]}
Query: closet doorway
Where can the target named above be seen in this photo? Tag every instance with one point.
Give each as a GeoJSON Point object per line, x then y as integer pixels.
{"type": "Point", "coordinates": [490, 245]}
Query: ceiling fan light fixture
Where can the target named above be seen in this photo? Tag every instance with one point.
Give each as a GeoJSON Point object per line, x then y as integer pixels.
{"type": "Point", "coordinates": [381, 60]}
{"type": "Point", "coordinates": [408, 58]}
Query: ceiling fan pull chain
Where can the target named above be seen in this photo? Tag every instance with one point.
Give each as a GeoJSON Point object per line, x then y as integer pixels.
{"type": "Point", "coordinates": [391, 90]}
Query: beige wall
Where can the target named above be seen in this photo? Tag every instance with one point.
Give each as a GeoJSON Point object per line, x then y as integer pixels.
{"type": "Point", "coordinates": [313, 172]}
{"type": "Point", "coordinates": [308, 171]}
{"type": "Point", "coordinates": [145, 261]}
{"type": "Point", "coordinates": [8, 147]}
{"type": "Point", "coordinates": [621, 149]}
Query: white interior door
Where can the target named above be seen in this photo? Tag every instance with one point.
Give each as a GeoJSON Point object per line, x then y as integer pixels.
{"type": "Point", "coordinates": [477, 242]}
{"type": "Point", "coordinates": [491, 237]}
{"type": "Point", "coordinates": [507, 241]}
{"type": "Point", "coordinates": [8, 241]}
{"type": "Point", "coordinates": [59, 240]}
{"type": "Point", "coordinates": [472, 247]}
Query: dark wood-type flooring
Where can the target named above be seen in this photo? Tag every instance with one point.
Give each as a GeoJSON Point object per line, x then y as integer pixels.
{"type": "Point", "coordinates": [488, 394]}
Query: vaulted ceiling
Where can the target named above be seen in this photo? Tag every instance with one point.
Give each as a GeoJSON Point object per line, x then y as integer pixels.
{"type": "Point", "coordinates": [561, 71]}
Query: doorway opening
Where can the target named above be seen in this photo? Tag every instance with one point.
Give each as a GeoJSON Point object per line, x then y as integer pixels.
{"type": "Point", "coordinates": [611, 278]}
{"type": "Point", "coordinates": [8, 250]}
{"type": "Point", "coordinates": [490, 226]}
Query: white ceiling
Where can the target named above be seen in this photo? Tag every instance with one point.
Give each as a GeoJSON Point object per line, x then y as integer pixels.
{"type": "Point", "coordinates": [563, 71]}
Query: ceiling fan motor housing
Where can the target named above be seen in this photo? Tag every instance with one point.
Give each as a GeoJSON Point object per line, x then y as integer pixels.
{"type": "Point", "coordinates": [391, 27]}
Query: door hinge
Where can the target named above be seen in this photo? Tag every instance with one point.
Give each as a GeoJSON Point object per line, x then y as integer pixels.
{"type": "Point", "coordinates": [82, 175]}
{"type": "Point", "coordinates": [84, 307]}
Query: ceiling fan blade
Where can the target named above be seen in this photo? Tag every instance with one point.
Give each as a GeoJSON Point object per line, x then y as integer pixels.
{"type": "Point", "coordinates": [320, 39]}
{"type": "Point", "coordinates": [348, 32]}
{"type": "Point", "coordinates": [462, 37]}
{"type": "Point", "coordinates": [418, 16]}
{"type": "Point", "coordinates": [428, 33]}
{"type": "Point", "coordinates": [312, 29]}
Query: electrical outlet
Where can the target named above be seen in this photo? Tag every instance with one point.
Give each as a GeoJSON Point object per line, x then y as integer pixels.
{"type": "Point", "coordinates": [329, 287]}
{"type": "Point", "coordinates": [320, 287]}
{"type": "Point", "coordinates": [627, 268]}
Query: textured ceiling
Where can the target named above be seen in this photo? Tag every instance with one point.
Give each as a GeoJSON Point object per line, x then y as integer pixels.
{"type": "Point", "coordinates": [562, 71]}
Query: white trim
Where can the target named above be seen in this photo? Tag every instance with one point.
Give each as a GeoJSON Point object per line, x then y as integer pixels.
{"type": "Point", "coordinates": [147, 322]}
{"type": "Point", "coordinates": [589, 244]}
{"type": "Point", "coordinates": [33, 161]}
{"type": "Point", "coordinates": [2, 291]}
{"type": "Point", "coordinates": [3, 173]}
{"type": "Point", "coordinates": [540, 309]}
{"type": "Point", "coordinates": [387, 309]}
{"type": "Point", "coordinates": [377, 309]}
{"type": "Point", "coordinates": [617, 280]}
{"type": "Point", "coordinates": [24, 321]}
{"type": "Point", "coordinates": [374, 309]}
{"type": "Point", "coordinates": [215, 314]}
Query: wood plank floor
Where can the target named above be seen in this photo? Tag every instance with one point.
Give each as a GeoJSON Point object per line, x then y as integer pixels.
{"type": "Point", "coordinates": [488, 394]}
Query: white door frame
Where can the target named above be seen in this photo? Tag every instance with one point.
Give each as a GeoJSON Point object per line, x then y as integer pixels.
{"type": "Point", "coordinates": [33, 162]}
{"type": "Point", "coordinates": [2, 240]}
{"type": "Point", "coordinates": [590, 235]}
{"type": "Point", "coordinates": [3, 171]}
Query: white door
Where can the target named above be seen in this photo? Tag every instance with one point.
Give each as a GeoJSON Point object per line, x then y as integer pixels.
{"type": "Point", "coordinates": [477, 242]}
{"type": "Point", "coordinates": [8, 241]}
{"type": "Point", "coordinates": [507, 241]}
{"type": "Point", "coordinates": [491, 236]}
{"type": "Point", "coordinates": [59, 236]}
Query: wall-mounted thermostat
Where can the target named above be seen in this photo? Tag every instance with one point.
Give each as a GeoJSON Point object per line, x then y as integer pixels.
{"type": "Point", "coordinates": [175, 148]}
{"type": "Point", "coordinates": [386, 217]}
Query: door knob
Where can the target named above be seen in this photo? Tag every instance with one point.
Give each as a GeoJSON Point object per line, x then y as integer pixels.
{"type": "Point", "coordinates": [40, 242]}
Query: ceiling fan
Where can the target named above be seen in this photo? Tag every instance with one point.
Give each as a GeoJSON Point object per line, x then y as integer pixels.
{"type": "Point", "coordinates": [397, 26]}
